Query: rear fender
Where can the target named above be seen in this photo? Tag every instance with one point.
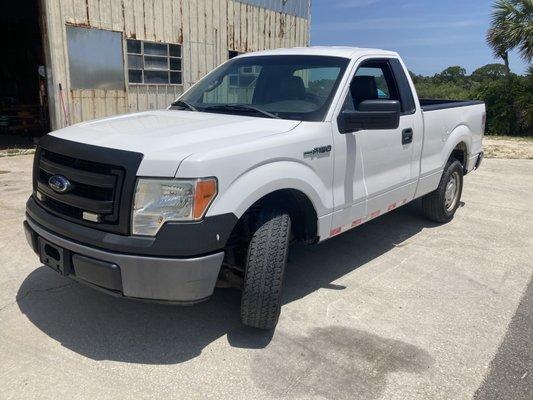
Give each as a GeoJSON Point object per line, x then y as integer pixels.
{"type": "Point", "coordinates": [461, 134]}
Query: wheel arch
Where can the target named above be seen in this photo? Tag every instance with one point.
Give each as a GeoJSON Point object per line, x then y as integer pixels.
{"type": "Point", "coordinates": [249, 188]}
{"type": "Point", "coordinates": [286, 184]}
{"type": "Point", "coordinates": [458, 146]}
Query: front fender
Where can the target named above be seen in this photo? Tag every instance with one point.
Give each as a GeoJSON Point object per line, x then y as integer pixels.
{"type": "Point", "coordinates": [260, 181]}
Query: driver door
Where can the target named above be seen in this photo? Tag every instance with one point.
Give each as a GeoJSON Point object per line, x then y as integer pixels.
{"type": "Point", "coordinates": [376, 173]}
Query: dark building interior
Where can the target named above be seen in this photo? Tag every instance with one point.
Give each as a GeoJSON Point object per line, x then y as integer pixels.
{"type": "Point", "coordinates": [23, 100]}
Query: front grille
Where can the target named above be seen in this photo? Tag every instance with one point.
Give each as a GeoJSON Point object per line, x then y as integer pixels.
{"type": "Point", "coordinates": [102, 182]}
{"type": "Point", "coordinates": [95, 187]}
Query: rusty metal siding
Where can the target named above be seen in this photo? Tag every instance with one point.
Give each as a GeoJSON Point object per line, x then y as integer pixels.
{"type": "Point", "coordinates": [206, 29]}
{"type": "Point", "coordinates": [299, 8]}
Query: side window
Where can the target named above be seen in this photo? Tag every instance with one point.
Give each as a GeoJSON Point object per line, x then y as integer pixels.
{"type": "Point", "coordinates": [383, 91]}
{"type": "Point", "coordinates": [372, 81]}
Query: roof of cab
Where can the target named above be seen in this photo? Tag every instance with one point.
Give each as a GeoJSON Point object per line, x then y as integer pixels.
{"type": "Point", "coordinates": [334, 51]}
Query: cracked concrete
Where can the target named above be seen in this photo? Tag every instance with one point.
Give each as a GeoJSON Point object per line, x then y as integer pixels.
{"type": "Point", "coordinates": [398, 308]}
{"type": "Point", "coordinates": [22, 296]}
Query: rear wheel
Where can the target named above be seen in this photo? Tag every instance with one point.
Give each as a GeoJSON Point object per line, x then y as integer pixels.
{"type": "Point", "coordinates": [265, 268]}
{"type": "Point", "coordinates": [440, 205]}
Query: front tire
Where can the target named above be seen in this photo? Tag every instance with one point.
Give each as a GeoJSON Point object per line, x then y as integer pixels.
{"type": "Point", "coordinates": [265, 268]}
{"type": "Point", "coordinates": [440, 205]}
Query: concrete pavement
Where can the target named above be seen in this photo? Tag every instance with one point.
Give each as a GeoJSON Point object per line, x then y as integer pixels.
{"type": "Point", "coordinates": [398, 308]}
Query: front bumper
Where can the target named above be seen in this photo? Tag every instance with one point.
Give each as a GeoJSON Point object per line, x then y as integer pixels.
{"type": "Point", "coordinates": [168, 279]}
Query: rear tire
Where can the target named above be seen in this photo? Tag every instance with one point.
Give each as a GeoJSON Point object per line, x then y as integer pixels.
{"type": "Point", "coordinates": [440, 205]}
{"type": "Point", "coordinates": [265, 268]}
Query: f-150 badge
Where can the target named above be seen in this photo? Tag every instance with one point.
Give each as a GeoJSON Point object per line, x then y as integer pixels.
{"type": "Point", "coordinates": [317, 151]}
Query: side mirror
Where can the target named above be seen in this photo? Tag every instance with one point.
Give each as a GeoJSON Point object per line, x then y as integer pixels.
{"type": "Point", "coordinates": [372, 114]}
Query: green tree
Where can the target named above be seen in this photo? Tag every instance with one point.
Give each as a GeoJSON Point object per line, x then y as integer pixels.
{"type": "Point", "coordinates": [525, 101]}
{"type": "Point", "coordinates": [512, 28]}
{"type": "Point", "coordinates": [416, 78]}
{"type": "Point", "coordinates": [489, 72]}
{"type": "Point", "coordinates": [455, 74]}
{"type": "Point", "coordinates": [509, 100]}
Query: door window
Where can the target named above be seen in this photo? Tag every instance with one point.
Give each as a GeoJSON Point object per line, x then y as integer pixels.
{"type": "Point", "coordinates": [372, 81]}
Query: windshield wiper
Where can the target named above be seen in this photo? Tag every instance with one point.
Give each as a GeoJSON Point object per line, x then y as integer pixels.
{"type": "Point", "coordinates": [240, 107]}
{"type": "Point", "coordinates": [183, 104]}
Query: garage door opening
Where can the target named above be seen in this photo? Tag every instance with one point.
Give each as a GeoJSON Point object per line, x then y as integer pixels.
{"type": "Point", "coordinates": [23, 97]}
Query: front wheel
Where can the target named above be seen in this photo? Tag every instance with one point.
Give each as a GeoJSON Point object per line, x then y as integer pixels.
{"type": "Point", "coordinates": [440, 205]}
{"type": "Point", "coordinates": [265, 268]}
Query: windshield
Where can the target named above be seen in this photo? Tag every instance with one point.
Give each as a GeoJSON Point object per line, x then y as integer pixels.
{"type": "Point", "coordinates": [288, 87]}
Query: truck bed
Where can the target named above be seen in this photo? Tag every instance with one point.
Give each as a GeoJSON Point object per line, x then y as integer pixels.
{"type": "Point", "coordinates": [439, 104]}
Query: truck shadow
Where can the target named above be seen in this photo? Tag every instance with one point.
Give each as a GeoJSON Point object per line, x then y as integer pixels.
{"type": "Point", "coordinates": [102, 327]}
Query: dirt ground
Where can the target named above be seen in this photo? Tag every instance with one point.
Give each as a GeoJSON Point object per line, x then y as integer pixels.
{"type": "Point", "coordinates": [508, 147]}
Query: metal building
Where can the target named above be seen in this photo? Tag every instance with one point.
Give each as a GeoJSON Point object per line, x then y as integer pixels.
{"type": "Point", "coordinates": [103, 57]}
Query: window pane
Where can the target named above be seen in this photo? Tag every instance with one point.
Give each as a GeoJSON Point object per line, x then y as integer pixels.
{"type": "Point", "coordinates": [383, 91]}
{"type": "Point", "coordinates": [155, 49]}
{"type": "Point", "coordinates": [238, 86]}
{"type": "Point", "coordinates": [175, 78]}
{"type": "Point", "coordinates": [174, 50]}
{"type": "Point", "coordinates": [157, 77]}
{"type": "Point", "coordinates": [175, 64]}
{"type": "Point", "coordinates": [135, 62]}
{"type": "Point", "coordinates": [155, 62]}
{"type": "Point", "coordinates": [319, 82]}
{"type": "Point", "coordinates": [135, 76]}
{"type": "Point", "coordinates": [95, 58]}
{"type": "Point", "coordinates": [134, 46]}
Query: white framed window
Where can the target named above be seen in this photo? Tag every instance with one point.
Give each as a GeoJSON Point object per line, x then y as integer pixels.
{"type": "Point", "coordinates": [153, 63]}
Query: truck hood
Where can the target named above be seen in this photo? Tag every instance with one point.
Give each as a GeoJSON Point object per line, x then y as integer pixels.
{"type": "Point", "coordinates": [167, 137]}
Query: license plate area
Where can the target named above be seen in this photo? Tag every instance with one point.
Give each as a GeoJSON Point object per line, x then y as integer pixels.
{"type": "Point", "coordinates": [52, 256]}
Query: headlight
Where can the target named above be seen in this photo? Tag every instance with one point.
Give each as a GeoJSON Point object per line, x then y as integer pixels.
{"type": "Point", "coordinates": [157, 201]}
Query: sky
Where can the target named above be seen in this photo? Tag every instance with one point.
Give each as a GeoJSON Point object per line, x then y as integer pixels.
{"type": "Point", "coordinates": [430, 35]}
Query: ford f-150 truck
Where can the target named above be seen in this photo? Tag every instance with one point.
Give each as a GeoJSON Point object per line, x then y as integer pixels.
{"type": "Point", "coordinates": [269, 148]}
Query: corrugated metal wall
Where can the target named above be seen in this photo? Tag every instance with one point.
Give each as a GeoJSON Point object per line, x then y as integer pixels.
{"type": "Point", "coordinates": [207, 29]}
{"type": "Point", "coordinates": [300, 8]}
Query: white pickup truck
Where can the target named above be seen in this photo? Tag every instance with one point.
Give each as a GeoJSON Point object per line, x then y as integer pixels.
{"type": "Point", "coordinates": [269, 148]}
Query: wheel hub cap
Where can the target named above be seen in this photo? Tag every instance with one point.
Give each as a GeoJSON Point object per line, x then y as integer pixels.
{"type": "Point", "coordinates": [450, 195]}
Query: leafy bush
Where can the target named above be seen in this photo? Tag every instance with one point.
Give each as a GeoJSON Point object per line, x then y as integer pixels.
{"type": "Point", "coordinates": [509, 101]}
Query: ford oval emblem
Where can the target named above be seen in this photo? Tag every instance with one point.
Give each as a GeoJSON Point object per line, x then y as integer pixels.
{"type": "Point", "coordinates": [59, 184]}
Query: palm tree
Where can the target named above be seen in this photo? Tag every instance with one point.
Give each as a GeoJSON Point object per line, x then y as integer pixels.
{"type": "Point", "coordinates": [512, 28]}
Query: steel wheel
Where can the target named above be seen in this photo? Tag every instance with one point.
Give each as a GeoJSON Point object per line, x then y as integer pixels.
{"type": "Point", "coordinates": [451, 195]}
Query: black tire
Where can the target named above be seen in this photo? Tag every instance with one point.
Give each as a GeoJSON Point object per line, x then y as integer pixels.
{"type": "Point", "coordinates": [265, 268]}
{"type": "Point", "coordinates": [434, 203]}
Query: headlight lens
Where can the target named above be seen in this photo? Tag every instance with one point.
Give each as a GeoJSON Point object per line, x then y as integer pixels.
{"type": "Point", "coordinates": [157, 201]}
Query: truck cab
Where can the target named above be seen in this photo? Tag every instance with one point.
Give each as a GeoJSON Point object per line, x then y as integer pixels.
{"type": "Point", "coordinates": [269, 148]}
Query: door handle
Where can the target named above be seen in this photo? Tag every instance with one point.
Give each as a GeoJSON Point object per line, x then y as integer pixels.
{"type": "Point", "coordinates": [407, 136]}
